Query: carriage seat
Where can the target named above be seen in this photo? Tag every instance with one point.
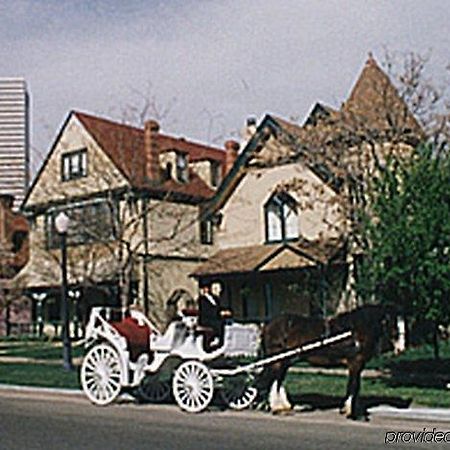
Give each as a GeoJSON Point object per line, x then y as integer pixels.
{"type": "Point", "coordinates": [173, 336]}
{"type": "Point", "coordinates": [137, 336]}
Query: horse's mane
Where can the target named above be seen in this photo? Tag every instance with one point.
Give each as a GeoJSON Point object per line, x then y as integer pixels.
{"type": "Point", "coordinates": [366, 316]}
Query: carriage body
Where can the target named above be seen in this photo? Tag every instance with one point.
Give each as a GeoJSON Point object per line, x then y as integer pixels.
{"type": "Point", "coordinates": [126, 351]}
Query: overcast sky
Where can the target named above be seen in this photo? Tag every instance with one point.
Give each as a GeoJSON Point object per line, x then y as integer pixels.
{"type": "Point", "coordinates": [213, 63]}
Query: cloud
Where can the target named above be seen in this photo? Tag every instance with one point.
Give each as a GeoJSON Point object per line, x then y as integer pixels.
{"type": "Point", "coordinates": [221, 59]}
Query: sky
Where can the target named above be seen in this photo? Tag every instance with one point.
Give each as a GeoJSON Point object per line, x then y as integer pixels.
{"type": "Point", "coordinates": [204, 66]}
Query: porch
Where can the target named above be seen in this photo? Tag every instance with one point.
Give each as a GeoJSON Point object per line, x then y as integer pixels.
{"type": "Point", "coordinates": [260, 282]}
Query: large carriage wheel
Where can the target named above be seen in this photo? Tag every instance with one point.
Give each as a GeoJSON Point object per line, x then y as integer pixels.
{"type": "Point", "coordinates": [238, 392]}
{"type": "Point", "coordinates": [153, 389]}
{"type": "Point", "coordinates": [101, 374]}
{"type": "Point", "coordinates": [193, 386]}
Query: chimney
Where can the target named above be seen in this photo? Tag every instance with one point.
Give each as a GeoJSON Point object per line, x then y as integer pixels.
{"type": "Point", "coordinates": [151, 129]}
{"type": "Point", "coordinates": [231, 149]}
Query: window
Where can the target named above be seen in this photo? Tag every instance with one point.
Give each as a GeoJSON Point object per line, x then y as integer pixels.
{"type": "Point", "coordinates": [281, 218]}
{"type": "Point", "coordinates": [215, 173]}
{"type": "Point", "coordinates": [89, 222]}
{"type": "Point", "coordinates": [182, 168]}
{"type": "Point", "coordinates": [74, 165]}
{"type": "Point", "coordinates": [206, 232]}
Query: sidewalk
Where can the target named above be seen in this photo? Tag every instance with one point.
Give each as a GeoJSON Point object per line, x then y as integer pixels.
{"type": "Point", "coordinates": [412, 413]}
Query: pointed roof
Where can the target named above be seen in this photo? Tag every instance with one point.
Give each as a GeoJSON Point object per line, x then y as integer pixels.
{"type": "Point", "coordinates": [375, 100]}
{"type": "Point", "coordinates": [259, 258]}
{"type": "Point", "coordinates": [124, 145]}
{"type": "Point", "coordinates": [373, 105]}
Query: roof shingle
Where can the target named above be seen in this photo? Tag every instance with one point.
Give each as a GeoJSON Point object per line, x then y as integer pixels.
{"type": "Point", "coordinates": [124, 144]}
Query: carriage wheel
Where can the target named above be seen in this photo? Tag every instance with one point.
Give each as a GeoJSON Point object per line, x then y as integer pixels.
{"type": "Point", "coordinates": [101, 374]}
{"type": "Point", "coordinates": [193, 386]}
{"type": "Point", "coordinates": [154, 390]}
{"type": "Point", "coordinates": [238, 392]}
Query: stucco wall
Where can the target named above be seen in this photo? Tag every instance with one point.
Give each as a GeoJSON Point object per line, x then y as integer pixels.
{"type": "Point", "coordinates": [244, 221]}
{"type": "Point", "coordinates": [165, 276]}
{"type": "Point", "coordinates": [101, 172]}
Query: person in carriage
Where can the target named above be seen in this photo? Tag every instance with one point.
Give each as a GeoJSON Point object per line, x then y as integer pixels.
{"type": "Point", "coordinates": [211, 315]}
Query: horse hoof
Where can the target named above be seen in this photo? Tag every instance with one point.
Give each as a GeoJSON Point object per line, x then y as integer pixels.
{"type": "Point", "coordinates": [345, 411]}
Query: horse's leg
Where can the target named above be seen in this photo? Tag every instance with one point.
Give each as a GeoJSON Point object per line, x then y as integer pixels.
{"type": "Point", "coordinates": [278, 400]}
{"type": "Point", "coordinates": [355, 368]}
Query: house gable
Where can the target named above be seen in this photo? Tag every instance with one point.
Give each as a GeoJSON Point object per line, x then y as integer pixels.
{"type": "Point", "coordinates": [244, 221]}
{"type": "Point", "coordinates": [286, 258]}
{"type": "Point", "coordinates": [101, 173]}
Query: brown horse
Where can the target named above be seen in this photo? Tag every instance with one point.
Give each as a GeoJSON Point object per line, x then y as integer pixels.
{"type": "Point", "coordinates": [374, 328]}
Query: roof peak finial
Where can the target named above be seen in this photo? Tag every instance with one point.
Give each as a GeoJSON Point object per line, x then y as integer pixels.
{"type": "Point", "coordinates": [370, 58]}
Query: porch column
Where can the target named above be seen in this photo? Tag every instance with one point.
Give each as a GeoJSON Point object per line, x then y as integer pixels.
{"type": "Point", "coordinates": [40, 299]}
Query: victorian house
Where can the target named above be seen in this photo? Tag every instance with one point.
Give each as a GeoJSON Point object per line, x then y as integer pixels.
{"type": "Point", "coordinates": [131, 196]}
{"type": "Point", "coordinates": [282, 223]}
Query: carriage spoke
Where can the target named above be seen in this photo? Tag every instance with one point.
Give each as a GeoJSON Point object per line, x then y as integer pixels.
{"type": "Point", "coordinates": [101, 374]}
{"type": "Point", "coordinates": [193, 386]}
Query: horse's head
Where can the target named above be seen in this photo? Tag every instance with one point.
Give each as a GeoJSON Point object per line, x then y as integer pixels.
{"type": "Point", "coordinates": [392, 331]}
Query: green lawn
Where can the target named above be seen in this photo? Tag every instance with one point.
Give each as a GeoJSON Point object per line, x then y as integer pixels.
{"type": "Point", "coordinates": [42, 375]}
{"type": "Point", "coordinates": [330, 388]}
{"type": "Point", "coordinates": [415, 377]}
{"type": "Point", "coordinates": [36, 349]}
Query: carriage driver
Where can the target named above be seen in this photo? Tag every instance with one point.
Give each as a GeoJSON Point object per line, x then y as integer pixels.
{"type": "Point", "coordinates": [211, 315]}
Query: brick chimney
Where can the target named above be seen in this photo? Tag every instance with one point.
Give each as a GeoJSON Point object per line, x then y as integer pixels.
{"type": "Point", "coordinates": [232, 150]}
{"type": "Point", "coordinates": [151, 129]}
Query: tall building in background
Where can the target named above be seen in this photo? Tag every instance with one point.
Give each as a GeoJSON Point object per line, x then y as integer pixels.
{"type": "Point", "coordinates": [14, 138]}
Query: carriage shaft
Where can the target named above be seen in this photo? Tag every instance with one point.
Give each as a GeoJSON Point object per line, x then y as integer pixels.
{"type": "Point", "coordinates": [285, 355]}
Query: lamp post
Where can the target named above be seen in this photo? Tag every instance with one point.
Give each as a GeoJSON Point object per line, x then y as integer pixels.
{"type": "Point", "coordinates": [62, 225]}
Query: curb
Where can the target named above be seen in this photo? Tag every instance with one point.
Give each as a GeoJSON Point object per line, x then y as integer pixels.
{"type": "Point", "coordinates": [40, 390]}
{"type": "Point", "coordinates": [415, 413]}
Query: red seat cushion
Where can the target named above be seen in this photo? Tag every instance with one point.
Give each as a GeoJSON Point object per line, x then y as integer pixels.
{"type": "Point", "coordinates": [137, 336]}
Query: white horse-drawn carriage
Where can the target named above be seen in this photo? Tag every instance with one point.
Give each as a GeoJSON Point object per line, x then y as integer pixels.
{"type": "Point", "coordinates": [128, 353]}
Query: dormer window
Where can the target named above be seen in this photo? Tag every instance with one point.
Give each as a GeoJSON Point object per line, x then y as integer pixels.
{"type": "Point", "coordinates": [182, 168]}
{"type": "Point", "coordinates": [74, 165]}
{"type": "Point", "coordinates": [281, 218]}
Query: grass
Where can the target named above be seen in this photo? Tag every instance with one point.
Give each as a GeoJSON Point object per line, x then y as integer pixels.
{"type": "Point", "coordinates": [415, 376]}
{"type": "Point", "coordinates": [42, 375]}
{"type": "Point", "coordinates": [323, 389]}
{"type": "Point", "coordinates": [36, 349]}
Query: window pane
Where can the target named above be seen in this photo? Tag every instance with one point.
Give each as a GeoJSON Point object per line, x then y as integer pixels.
{"type": "Point", "coordinates": [274, 228]}
{"type": "Point", "coordinates": [66, 167]}
{"type": "Point", "coordinates": [83, 164]}
{"type": "Point", "coordinates": [206, 232]}
{"type": "Point", "coordinates": [215, 173]}
{"type": "Point", "coordinates": [290, 222]}
{"type": "Point", "coordinates": [182, 168]}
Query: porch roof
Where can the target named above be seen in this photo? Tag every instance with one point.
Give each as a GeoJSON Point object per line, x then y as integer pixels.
{"type": "Point", "coordinates": [259, 258]}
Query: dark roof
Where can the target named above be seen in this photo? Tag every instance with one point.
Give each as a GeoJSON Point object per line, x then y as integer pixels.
{"type": "Point", "coordinates": [374, 105]}
{"type": "Point", "coordinates": [375, 100]}
{"type": "Point", "coordinates": [253, 258]}
{"type": "Point", "coordinates": [124, 144]}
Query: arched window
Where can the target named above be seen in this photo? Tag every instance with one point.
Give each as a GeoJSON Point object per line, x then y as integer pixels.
{"type": "Point", "coordinates": [281, 218]}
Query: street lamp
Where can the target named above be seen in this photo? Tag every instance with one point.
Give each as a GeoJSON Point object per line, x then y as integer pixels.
{"type": "Point", "coordinates": [62, 225]}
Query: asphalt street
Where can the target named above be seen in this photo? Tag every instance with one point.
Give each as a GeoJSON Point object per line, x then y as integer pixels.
{"type": "Point", "coordinates": [33, 420]}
